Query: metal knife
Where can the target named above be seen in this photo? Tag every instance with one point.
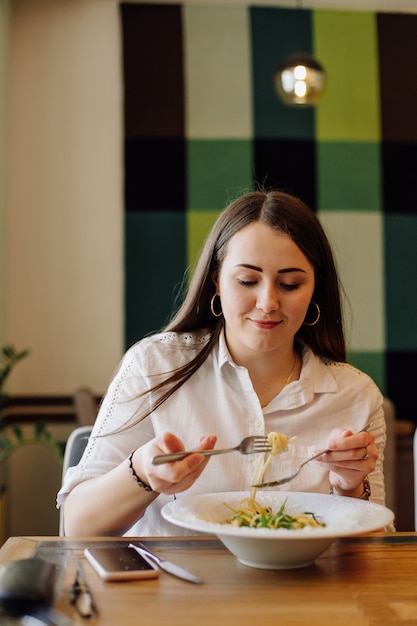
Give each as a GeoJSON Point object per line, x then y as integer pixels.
{"type": "Point", "coordinates": [166, 566]}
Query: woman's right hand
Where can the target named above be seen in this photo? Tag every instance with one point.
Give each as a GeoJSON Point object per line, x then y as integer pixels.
{"type": "Point", "coordinates": [175, 476]}
{"type": "Point", "coordinates": [110, 504]}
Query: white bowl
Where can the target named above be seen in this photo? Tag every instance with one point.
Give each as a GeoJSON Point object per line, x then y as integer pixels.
{"type": "Point", "coordinates": [281, 548]}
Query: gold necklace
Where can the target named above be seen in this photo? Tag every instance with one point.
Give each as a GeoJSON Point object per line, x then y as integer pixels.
{"type": "Point", "coordinates": [292, 371]}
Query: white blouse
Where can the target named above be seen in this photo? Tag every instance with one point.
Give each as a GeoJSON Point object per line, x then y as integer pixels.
{"type": "Point", "coordinates": [219, 399]}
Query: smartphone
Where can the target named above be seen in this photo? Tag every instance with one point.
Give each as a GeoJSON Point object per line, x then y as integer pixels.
{"type": "Point", "coordinates": [120, 563]}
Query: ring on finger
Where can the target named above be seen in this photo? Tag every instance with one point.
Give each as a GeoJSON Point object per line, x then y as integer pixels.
{"type": "Point", "coordinates": [365, 456]}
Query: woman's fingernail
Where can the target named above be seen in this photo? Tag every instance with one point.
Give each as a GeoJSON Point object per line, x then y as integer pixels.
{"type": "Point", "coordinates": [207, 439]}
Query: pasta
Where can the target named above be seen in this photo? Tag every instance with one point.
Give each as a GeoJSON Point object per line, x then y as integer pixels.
{"type": "Point", "coordinates": [279, 444]}
{"type": "Point", "coordinates": [252, 513]}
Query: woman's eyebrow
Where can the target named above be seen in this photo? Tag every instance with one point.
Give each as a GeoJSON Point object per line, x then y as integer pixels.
{"type": "Point", "coordinates": [250, 267]}
{"type": "Point", "coordinates": [291, 269]}
{"type": "Point", "coordinates": [286, 270]}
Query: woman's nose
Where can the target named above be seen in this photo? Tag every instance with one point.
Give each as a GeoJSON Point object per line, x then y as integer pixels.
{"type": "Point", "coordinates": [268, 299]}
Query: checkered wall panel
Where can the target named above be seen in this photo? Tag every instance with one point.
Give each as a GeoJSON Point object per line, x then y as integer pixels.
{"type": "Point", "coordinates": [203, 124]}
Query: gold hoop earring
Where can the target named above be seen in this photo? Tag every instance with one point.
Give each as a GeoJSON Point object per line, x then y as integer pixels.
{"type": "Point", "coordinates": [212, 306]}
{"type": "Point", "coordinates": [318, 315]}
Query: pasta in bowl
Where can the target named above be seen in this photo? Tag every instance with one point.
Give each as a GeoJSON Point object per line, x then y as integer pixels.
{"type": "Point", "coordinates": [280, 547]}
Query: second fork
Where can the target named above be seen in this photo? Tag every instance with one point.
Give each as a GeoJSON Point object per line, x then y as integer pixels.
{"type": "Point", "coordinates": [287, 479]}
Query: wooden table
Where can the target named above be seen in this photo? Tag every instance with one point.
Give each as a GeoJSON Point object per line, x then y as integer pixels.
{"type": "Point", "coordinates": [368, 580]}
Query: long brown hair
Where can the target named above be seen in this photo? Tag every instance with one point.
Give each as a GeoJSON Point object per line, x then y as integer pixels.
{"type": "Point", "coordinates": [284, 213]}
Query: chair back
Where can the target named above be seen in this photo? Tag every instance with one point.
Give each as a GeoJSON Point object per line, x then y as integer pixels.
{"type": "Point", "coordinates": [85, 406]}
{"type": "Point", "coordinates": [390, 455]}
{"type": "Point", "coordinates": [74, 449]}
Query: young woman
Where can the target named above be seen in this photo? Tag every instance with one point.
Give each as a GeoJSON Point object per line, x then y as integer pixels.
{"type": "Point", "coordinates": [257, 346]}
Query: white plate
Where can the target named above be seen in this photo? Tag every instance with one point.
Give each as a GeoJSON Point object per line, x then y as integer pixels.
{"type": "Point", "coordinates": [280, 548]}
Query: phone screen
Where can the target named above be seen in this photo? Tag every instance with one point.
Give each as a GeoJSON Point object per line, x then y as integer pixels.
{"type": "Point", "coordinates": [120, 563]}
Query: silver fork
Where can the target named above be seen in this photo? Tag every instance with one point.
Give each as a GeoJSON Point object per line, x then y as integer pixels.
{"type": "Point", "coordinates": [287, 479]}
{"type": "Point", "coordinates": [249, 445]}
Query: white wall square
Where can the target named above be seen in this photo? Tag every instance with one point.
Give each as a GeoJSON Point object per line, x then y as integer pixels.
{"type": "Point", "coordinates": [357, 241]}
{"type": "Point", "coordinates": [217, 72]}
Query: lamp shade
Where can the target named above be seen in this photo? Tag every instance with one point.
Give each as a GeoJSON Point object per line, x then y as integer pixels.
{"type": "Point", "coordinates": [300, 80]}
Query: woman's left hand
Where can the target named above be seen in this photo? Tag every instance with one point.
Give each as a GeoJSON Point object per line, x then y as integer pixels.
{"type": "Point", "coordinates": [353, 456]}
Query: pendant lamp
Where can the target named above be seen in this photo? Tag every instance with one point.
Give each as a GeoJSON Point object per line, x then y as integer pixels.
{"type": "Point", "coordinates": [300, 80]}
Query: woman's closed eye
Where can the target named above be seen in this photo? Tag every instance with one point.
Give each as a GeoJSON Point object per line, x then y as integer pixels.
{"type": "Point", "coordinates": [285, 286]}
{"type": "Point", "coordinates": [290, 287]}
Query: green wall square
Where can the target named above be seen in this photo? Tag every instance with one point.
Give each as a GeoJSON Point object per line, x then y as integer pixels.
{"type": "Point", "coordinates": [345, 42]}
{"type": "Point", "coordinates": [154, 269]}
{"type": "Point", "coordinates": [218, 171]}
{"type": "Point", "coordinates": [349, 176]}
{"type": "Point", "coordinates": [400, 286]}
{"type": "Point", "coordinates": [199, 224]}
{"type": "Point", "coordinates": [277, 34]}
{"type": "Point", "coordinates": [373, 364]}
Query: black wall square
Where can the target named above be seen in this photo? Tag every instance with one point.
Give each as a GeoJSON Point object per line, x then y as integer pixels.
{"type": "Point", "coordinates": [288, 165]}
{"type": "Point", "coordinates": [399, 175]}
{"type": "Point", "coordinates": [401, 374]}
{"type": "Point", "coordinates": [155, 174]}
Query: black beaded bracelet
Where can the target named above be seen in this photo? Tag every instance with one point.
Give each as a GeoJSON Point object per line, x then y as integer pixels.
{"type": "Point", "coordinates": [135, 476]}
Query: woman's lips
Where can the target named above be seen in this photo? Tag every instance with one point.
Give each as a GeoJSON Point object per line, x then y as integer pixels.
{"type": "Point", "coordinates": [265, 324]}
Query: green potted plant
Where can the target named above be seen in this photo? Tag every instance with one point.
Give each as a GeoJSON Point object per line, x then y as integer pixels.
{"type": "Point", "coordinates": [12, 437]}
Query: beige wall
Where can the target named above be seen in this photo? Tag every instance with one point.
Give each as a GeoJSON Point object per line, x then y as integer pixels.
{"type": "Point", "coordinates": [64, 282]}
{"type": "Point", "coordinates": [4, 82]}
